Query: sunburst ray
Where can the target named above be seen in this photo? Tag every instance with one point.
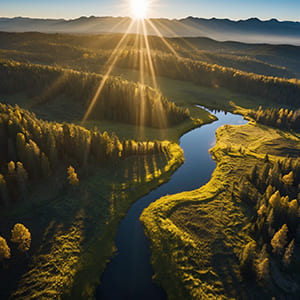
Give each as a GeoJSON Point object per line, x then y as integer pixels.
{"type": "Point", "coordinates": [110, 65]}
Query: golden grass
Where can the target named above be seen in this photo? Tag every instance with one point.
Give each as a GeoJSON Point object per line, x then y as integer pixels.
{"type": "Point", "coordinates": [196, 236]}
{"type": "Point", "coordinates": [76, 229]}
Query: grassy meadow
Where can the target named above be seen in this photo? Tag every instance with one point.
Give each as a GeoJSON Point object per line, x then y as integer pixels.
{"type": "Point", "coordinates": [73, 229]}
{"type": "Point", "coordinates": [196, 237]}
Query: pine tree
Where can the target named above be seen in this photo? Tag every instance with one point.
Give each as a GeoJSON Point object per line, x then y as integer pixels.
{"type": "Point", "coordinates": [269, 191]}
{"type": "Point", "coordinates": [22, 179]}
{"type": "Point", "coordinates": [287, 258]}
{"type": "Point", "coordinates": [279, 240]}
{"type": "Point", "coordinates": [247, 258]}
{"type": "Point", "coordinates": [20, 144]}
{"type": "Point", "coordinates": [11, 167]}
{"type": "Point", "coordinates": [262, 210]}
{"type": "Point", "coordinates": [72, 178]}
{"type": "Point", "coordinates": [21, 236]}
{"type": "Point", "coordinates": [288, 179]}
{"type": "Point", "coordinates": [4, 249]}
{"type": "Point", "coordinates": [263, 269]}
{"type": "Point", "coordinates": [274, 201]}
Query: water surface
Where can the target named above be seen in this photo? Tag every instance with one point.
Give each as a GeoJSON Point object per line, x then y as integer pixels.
{"type": "Point", "coordinates": [129, 274]}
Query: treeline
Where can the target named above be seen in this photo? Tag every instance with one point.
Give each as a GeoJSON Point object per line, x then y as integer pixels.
{"type": "Point", "coordinates": [277, 117]}
{"type": "Point", "coordinates": [21, 236]}
{"type": "Point", "coordinates": [82, 53]}
{"type": "Point", "coordinates": [89, 51]}
{"type": "Point", "coordinates": [119, 100]}
{"type": "Point", "coordinates": [274, 193]}
{"type": "Point", "coordinates": [279, 90]}
{"type": "Point", "coordinates": [32, 149]}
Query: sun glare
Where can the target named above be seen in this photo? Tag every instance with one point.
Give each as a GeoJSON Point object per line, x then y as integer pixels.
{"type": "Point", "coordinates": [139, 8]}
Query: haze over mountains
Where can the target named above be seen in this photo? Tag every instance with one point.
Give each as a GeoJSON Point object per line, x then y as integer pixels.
{"type": "Point", "coordinates": [252, 30]}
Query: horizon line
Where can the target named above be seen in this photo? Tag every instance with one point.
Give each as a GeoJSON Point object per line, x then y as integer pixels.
{"type": "Point", "coordinates": [153, 18]}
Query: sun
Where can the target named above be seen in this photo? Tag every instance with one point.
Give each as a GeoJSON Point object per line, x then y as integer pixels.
{"type": "Point", "coordinates": [139, 8]}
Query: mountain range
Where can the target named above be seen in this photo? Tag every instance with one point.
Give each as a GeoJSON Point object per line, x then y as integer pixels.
{"type": "Point", "coordinates": [252, 30]}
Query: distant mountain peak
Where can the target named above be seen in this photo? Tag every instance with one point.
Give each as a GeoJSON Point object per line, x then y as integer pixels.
{"type": "Point", "coordinates": [274, 20]}
{"type": "Point", "coordinates": [251, 30]}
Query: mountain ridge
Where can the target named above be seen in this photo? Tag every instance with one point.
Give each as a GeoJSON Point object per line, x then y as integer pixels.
{"type": "Point", "coordinates": [252, 30]}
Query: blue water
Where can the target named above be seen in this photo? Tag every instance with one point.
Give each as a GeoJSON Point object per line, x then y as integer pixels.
{"type": "Point", "coordinates": [129, 274]}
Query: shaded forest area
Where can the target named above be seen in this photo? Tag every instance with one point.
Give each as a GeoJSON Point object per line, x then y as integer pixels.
{"type": "Point", "coordinates": [33, 149]}
{"type": "Point", "coordinates": [118, 101]}
{"type": "Point", "coordinates": [78, 50]}
{"type": "Point", "coordinates": [273, 192]}
{"type": "Point", "coordinates": [86, 54]}
{"type": "Point", "coordinates": [237, 236]}
{"type": "Point", "coordinates": [280, 118]}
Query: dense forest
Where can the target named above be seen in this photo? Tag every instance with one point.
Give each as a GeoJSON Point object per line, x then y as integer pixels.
{"type": "Point", "coordinates": [279, 90]}
{"type": "Point", "coordinates": [119, 100]}
{"type": "Point", "coordinates": [82, 53]}
{"type": "Point", "coordinates": [273, 191]}
{"type": "Point", "coordinates": [32, 149]}
{"type": "Point", "coordinates": [88, 51]}
{"type": "Point", "coordinates": [51, 68]}
{"type": "Point", "coordinates": [280, 118]}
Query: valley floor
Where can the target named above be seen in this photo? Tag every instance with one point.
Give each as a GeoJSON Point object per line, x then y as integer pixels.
{"type": "Point", "coordinates": [196, 237]}
{"type": "Point", "coordinates": [73, 231]}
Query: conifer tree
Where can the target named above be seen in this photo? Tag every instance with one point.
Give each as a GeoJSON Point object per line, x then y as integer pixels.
{"type": "Point", "coordinates": [279, 240]}
{"type": "Point", "coordinates": [72, 178]}
{"type": "Point", "coordinates": [263, 269]}
{"type": "Point", "coordinates": [22, 178]}
{"type": "Point", "coordinates": [21, 236]}
{"type": "Point", "coordinates": [4, 249]}
{"type": "Point", "coordinates": [247, 259]}
{"type": "Point", "coordinates": [287, 258]}
{"type": "Point", "coordinates": [275, 200]}
{"type": "Point", "coordinates": [288, 179]}
{"type": "Point", "coordinates": [4, 196]}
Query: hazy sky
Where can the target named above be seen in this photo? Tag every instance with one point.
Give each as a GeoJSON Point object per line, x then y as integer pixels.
{"type": "Point", "coordinates": [233, 9]}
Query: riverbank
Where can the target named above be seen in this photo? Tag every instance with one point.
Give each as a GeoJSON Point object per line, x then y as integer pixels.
{"type": "Point", "coordinates": [129, 275]}
{"type": "Point", "coordinates": [196, 237]}
{"type": "Point", "coordinates": [73, 230]}
{"type": "Point", "coordinates": [81, 244]}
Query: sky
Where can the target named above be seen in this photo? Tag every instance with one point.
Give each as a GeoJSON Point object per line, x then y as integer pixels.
{"type": "Point", "coordinates": [232, 9]}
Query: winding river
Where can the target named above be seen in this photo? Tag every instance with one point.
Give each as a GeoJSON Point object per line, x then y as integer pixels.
{"type": "Point", "coordinates": [129, 274]}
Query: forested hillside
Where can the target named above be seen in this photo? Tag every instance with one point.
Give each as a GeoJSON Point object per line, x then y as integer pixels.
{"type": "Point", "coordinates": [33, 149]}
{"type": "Point", "coordinates": [233, 72]}
{"type": "Point", "coordinates": [78, 50]}
{"type": "Point", "coordinates": [71, 183]}
{"type": "Point", "coordinates": [61, 180]}
{"type": "Point", "coordinates": [120, 100]}
{"type": "Point", "coordinates": [278, 90]}
{"type": "Point", "coordinates": [280, 118]}
{"type": "Point", "coordinates": [244, 223]}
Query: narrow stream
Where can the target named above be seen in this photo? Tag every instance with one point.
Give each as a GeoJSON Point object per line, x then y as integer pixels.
{"type": "Point", "coordinates": [129, 274]}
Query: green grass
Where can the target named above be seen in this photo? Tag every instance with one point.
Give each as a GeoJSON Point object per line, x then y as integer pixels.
{"type": "Point", "coordinates": [196, 236]}
{"type": "Point", "coordinates": [60, 109]}
{"type": "Point", "coordinates": [189, 94]}
{"type": "Point", "coordinates": [73, 231]}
